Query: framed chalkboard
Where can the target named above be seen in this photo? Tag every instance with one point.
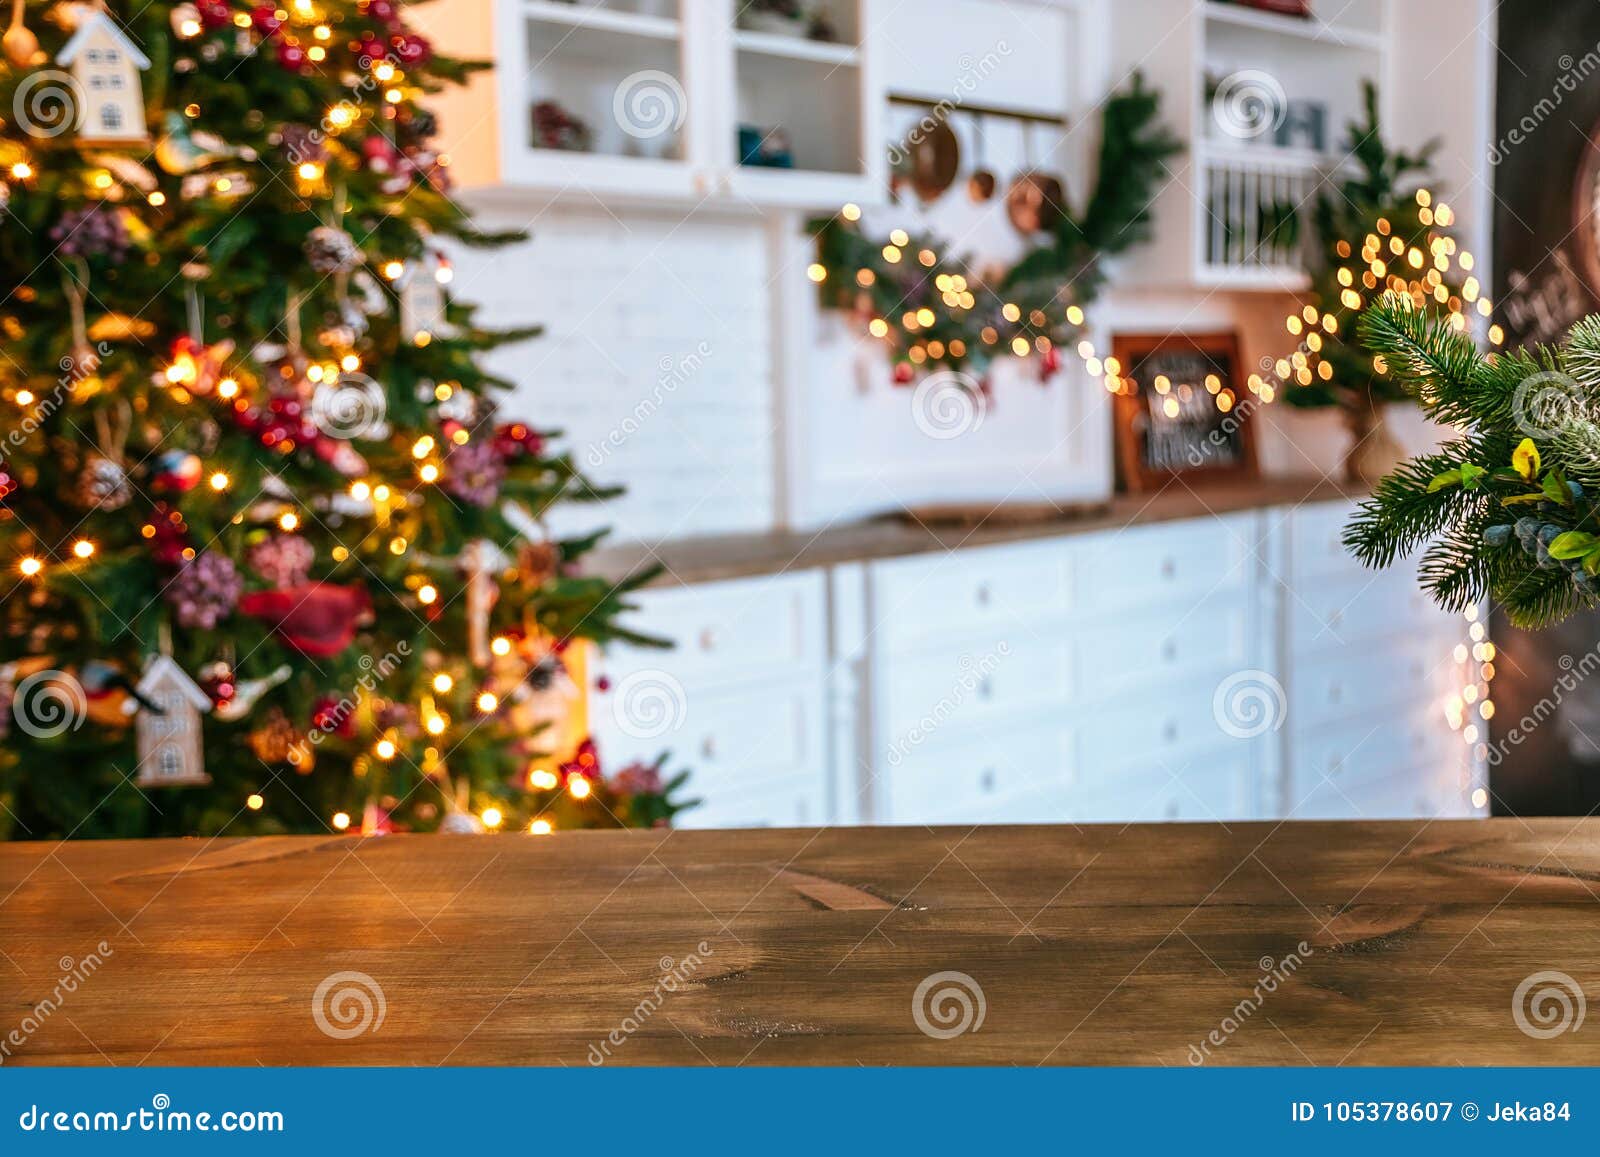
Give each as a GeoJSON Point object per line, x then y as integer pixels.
{"type": "Point", "coordinates": [1181, 410]}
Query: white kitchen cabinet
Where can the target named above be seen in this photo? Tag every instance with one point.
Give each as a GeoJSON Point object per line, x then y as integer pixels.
{"type": "Point", "coordinates": [1083, 678]}
{"type": "Point", "coordinates": [663, 88]}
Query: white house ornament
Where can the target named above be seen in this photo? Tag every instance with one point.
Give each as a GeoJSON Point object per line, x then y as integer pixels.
{"type": "Point", "coordinates": [106, 66]}
{"type": "Point", "coordinates": [169, 740]}
{"type": "Point", "coordinates": [422, 301]}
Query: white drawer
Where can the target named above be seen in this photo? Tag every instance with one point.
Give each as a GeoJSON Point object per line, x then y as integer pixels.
{"type": "Point", "coordinates": [1369, 747]}
{"type": "Point", "coordinates": [999, 591]}
{"type": "Point", "coordinates": [1316, 541]}
{"type": "Point", "coordinates": [1217, 783]}
{"type": "Point", "coordinates": [1024, 777]}
{"type": "Point", "coordinates": [1135, 651]}
{"type": "Point", "coordinates": [1374, 604]}
{"type": "Point", "coordinates": [964, 686]}
{"type": "Point", "coordinates": [1423, 792]}
{"type": "Point", "coordinates": [1368, 683]}
{"type": "Point", "coordinates": [1164, 565]}
{"type": "Point", "coordinates": [1161, 730]}
{"type": "Point", "coordinates": [755, 758]}
{"type": "Point", "coordinates": [727, 632]}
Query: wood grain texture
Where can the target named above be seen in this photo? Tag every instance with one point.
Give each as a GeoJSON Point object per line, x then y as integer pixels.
{"type": "Point", "coordinates": [1092, 945]}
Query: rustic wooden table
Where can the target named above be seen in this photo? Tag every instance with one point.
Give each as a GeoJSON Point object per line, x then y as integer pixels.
{"type": "Point", "coordinates": [1351, 943]}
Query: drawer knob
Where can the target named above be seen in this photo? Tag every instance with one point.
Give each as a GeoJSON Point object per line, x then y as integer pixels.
{"type": "Point", "coordinates": [986, 780]}
{"type": "Point", "coordinates": [1169, 731]}
{"type": "Point", "coordinates": [1169, 568]}
{"type": "Point", "coordinates": [1172, 810]}
{"type": "Point", "coordinates": [1169, 650]}
{"type": "Point", "coordinates": [708, 747]}
{"type": "Point", "coordinates": [985, 688]}
{"type": "Point", "coordinates": [708, 639]}
{"type": "Point", "coordinates": [983, 595]}
{"type": "Point", "coordinates": [1335, 693]}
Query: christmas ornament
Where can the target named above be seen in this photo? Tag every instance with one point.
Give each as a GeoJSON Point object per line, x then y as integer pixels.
{"type": "Point", "coordinates": [195, 366]}
{"type": "Point", "coordinates": [284, 560]}
{"type": "Point", "coordinates": [175, 472]}
{"type": "Point", "coordinates": [106, 65]}
{"type": "Point", "coordinates": [246, 694]}
{"type": "Point", "coordinates": [317, 619]}
{"type": "Point", "coordinates": [95, 232]}
{"type": "Point", "coordinates": [168, 731]}
{"type": "Point", "coordinates": [479, 561]}
{"type": "Point", "coordinates": [291, 56]}
{"type": "Point", "coordinates": [460, 823]}
{"type": "Point", "coordinates": [217, 681]}
{"type": "Point", "coordinates": [474, 472]}
{"type": "Point", "coordinates": [204, 591]}
{"type": "Point", "coordinates": [168, 535]}
{"type": "Point", "coordinates": [274, 740]}
{"type": "Point", "coordinates": [637, 779]}
{"type": "Point", "coordinates": [215, 13]}
{"type": "Point", "coordinates": [182, 149]}
{"type": "Point", "coordinates": [515, 440]}
{"type": "Point", "coordinates": [103, 484]}
{"type": "Point", "coordinates": [330, 250]}
{"type": "Point", "coordinates": [422, 300]}
{"type": "Point", "coordinates": [20, 45]}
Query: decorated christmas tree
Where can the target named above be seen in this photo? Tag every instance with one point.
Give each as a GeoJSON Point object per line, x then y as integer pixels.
{"type": "Point", "coordinates": [275, 558]}
{"type": "Point", "coordinates": [1380, 230]}
{"type": "Point", "coordinates": [1507, 511]}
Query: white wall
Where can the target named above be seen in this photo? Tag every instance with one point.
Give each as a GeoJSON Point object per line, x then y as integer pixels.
{"type": "Point", "coordinates": [656, 360]}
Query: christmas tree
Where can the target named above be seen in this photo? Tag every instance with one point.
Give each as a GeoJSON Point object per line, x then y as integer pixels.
{"type": "Point", "coordinates": [1380, 230]}
{"type": "Point", "coordinates": [1507, 511]}
{"type": "Point", "coordinates": [275, 560]}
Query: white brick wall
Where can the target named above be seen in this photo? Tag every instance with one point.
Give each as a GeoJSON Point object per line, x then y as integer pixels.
{"type": "Point", "coordinates": [656, 360]}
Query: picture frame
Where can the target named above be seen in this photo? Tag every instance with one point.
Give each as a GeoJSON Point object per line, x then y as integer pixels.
{"type": "Point", "coordinates": [1181, 410]}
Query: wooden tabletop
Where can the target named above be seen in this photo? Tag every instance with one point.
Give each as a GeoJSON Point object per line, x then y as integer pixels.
{"type": "Point", "coordinates": [728, 556]}
{"type": "Point", "coordinates": [1347, 943]}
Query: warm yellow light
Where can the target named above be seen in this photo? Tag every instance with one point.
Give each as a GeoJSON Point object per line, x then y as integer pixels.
{"type": "Point", "coordinates": [394, 270]}
{"type": "Point", "coordinates": [340, 116]}
{"type": "Point", "coordinates": [817, 272]}
{"type": "Point", "coordinates": [219, 481]}
{"type": "Point", "coordinates": [492, 817]}
{"type": "Point", "coordinates": [101, 180]}
{"type": "Point", "coordinates": [487, 703]}
{"type": "Point", "coordinates": [289, 520]}
{"type": "Point", "coordinates": [437, 724]}
{"type": "Point", "coordinates": [310, 171]}
{"type": "Point", "coordinates": [542, 778]}
{"type": "Point", "coordinates": [254, 801]}
{"type": "Point", "coordinates": [429, 472]}
{"type": "Point", "coordinates": [227, 388]}
{"type": "Point", "coordinates": [316, 53]}
{"type": "Point", "coordinates": [540, 827]}
{"type": "Point", "coordinates": [501, 646]}
{"type": "Point", "coordinates": [442, 683]}
{"type": "Point", "coordinates": [877, 327]}
{"type": "Point", "coordinates": [428, 595]}
{"type": "Point", "coordinates": [188, 30]}
{"type": "Point", "coordinates": [24, 397]}
{"type": "Point", "coordinates": [83, 548]}
{"type": "Point", "coordinates": [386, 749]}
{"type": "Point", "coordinates": [422, 447]}
{"type": "Point", "coordinates": [341, 820]}
{"type": "Point", "coordinates": [30, 567]}
{"type": "Point", "coordinates": [397, 545]}
{"type": "Point", "coordinates": [22, 170]}
{"type": "Point", "coordinates": [579, 787]}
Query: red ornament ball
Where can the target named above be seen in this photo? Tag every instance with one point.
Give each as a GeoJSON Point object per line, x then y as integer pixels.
{"type": "Point", "coordinates": [266, 19]}
{"type": "Point", "coordinates": [291, 56]}
{"type": "Point", "coordinates": [215, 13]}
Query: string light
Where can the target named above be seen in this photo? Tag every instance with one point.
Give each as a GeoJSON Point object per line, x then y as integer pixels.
{"type": "Point", "coordinates": [442, 683]}
{"type": "Point", "coordinates": [341, 820]}
{"type": "Point", "coordinates": [501, 646]}
{"type": "Point", "coordinates": [542, 779]}
{"type": "Point", "coordinates": [541, 827]}
{"type": "Point", "coordinates": [492, 817]}
{"type": "Point", "coordinates": [30, 567]}
{"type": "Point", "coordinates": [579, 787]}
{"type": "Point", "coordinates": [83, 548]}
{"type": "Point", "coordinates": [386, 749]}
{"type": "Point", "coordinates": [219, 481]}
{"type": "Point", "coordinates": [254, 801]}
{"type": "Point", "coordinates": [487, 703]}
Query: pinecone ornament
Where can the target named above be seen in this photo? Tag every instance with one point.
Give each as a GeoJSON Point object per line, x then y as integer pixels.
{"type": "Point", "coordinates": [330, 250]}
{"type": "Point", "coordinates": [103, 484]}
{"type": "Point", "coordinates": [273, 741]}
{"type": "Point", "coordinates": [284, 560]}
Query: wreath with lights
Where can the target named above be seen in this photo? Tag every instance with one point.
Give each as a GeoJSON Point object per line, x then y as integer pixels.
{"type": "Point", "coordinates": [946, 315]}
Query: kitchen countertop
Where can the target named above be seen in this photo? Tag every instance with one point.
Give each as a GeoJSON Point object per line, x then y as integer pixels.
{"type": "Point", "coordinates": [714, 557]}
{"type": "Point", "coordinates": [1328, 943]}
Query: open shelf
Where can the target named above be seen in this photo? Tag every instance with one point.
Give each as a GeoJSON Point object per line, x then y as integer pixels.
{"type": "Point", "coordinates": [797, 48]}
{"type": "Point", "coordinates": [1301, 27]}
{"type": "Point", "coordinates": [608, 20]}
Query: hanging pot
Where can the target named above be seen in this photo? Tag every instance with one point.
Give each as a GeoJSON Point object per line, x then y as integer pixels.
{"type": "Point", "coordinates": [1035, 200]}
{"type": "Point", "coordinates": [935, 161]}
{"type": "Point", "coordinates": [981, 184]}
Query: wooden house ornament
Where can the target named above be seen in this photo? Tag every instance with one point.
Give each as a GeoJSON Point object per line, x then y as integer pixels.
{"type": "Point", "coordinates": [106, 66]}
{"type": "Point", "coordinates": [170, 751]}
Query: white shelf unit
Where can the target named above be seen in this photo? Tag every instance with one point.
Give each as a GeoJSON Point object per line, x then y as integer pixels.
{"type": "Point", "coordinates": [663, 87]}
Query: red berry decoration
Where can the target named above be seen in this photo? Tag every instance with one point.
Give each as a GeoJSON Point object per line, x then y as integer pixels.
{"type": "Point", "coordinates": [215, 13]}
{"type": "Point", "coordinates": [383, 11]}
{"type": "Point", "coordinates": [903, 373]}
{"type": "Point", "coordinates": [291, 56]}
{"type": "Point", "coordinates": [266, 19]}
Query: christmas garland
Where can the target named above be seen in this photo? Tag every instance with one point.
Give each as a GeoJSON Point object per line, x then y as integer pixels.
{"type": "Point", "coordinates": [935, 313]}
